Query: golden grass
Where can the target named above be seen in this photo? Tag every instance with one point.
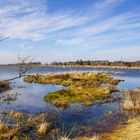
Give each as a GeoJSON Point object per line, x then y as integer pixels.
{"type": "Point", "coordinates": [64, 138]}
{"type": "Point", "coordinates": [16, 115]}
{"type": "Point", "coordinates": [83, 86]}
{"type": "Point", "coordinates": [131, 101]}
{"type": "Point", "coordinates": [87, 138]}
{"type": "Point", "coordinates": [3, 127]}
{"type": "Point", "coordinates": [23, 125]}
{"type": "Point", "coordinates": [130, 131]}
{"type": "Point", "coordinates": [42, 128]}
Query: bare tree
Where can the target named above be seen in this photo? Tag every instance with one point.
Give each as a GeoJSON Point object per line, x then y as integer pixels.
{"type": "Point", "coordinates": [24, 64]}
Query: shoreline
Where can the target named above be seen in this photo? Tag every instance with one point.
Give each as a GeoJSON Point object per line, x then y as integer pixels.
{"type": "Point", "coordinates": [77, 66]}
{"type": "Point", "coordinates": [88, 66]}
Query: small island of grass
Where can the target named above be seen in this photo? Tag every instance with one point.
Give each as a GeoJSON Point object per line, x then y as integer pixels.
{"type": "Point", "coordinates": [82, 86]}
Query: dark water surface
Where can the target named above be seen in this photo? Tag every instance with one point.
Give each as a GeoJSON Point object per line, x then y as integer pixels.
{"type": "Point", "coordinates": [29, 97]}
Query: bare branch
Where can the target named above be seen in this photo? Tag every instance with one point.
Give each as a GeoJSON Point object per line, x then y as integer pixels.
{"type": "Point", "coordinates": [24, 64]}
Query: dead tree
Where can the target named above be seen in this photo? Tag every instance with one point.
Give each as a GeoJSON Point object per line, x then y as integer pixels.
{"type": "Point", "coordinates": [24, 65]}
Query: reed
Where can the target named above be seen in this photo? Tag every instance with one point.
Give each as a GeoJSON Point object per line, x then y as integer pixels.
{"type": "Point", "coordinates": [131, 101]}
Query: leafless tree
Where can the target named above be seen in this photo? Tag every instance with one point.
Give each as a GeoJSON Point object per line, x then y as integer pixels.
{"type": "Point", "coordinates": [24, 65]}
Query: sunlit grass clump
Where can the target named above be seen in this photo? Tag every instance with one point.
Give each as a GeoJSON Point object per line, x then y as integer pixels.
{"type": "Point", "coordinates": [82, 86]}
{"type": "Point", "coordinates": [132, 100]}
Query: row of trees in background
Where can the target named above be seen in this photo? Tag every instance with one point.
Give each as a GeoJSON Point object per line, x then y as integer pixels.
{"type": "Point", "coordinates": [79, 62]}
{"type": "Point", "coordinates": [98, 63]}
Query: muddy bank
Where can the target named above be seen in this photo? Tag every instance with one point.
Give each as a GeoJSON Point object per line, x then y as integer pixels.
{"type": "Point", "coordinates": [4, 86]}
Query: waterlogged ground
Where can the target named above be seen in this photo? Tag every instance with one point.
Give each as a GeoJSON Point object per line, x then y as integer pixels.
{"type": "Point", "coordinates": [28, 98]}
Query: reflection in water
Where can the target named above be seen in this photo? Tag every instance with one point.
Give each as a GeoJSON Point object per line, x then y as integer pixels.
{"type": "Point", "coordinates": [29, 97]}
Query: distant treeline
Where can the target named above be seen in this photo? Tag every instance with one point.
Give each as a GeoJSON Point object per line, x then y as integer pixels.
{"type": "Point", "coordinates": [81, 63]}
{"type": "Point", "coordinates": [26, 64]}
{"type": "Point", "coordinates": [98, 63]}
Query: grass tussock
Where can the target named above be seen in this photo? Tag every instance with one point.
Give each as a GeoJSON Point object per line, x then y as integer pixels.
{"type": "Point", "coordinates": [64, 138]}
{"type": "Point", "coordinates": [28, 127]}
{"type": "Point", "coordinates": [3, 127]}
{"type": "Point", "coordinates": [43, 128]}
{"type": "Point", "coordinates": [16, 115]}
{"type": "Point", "coordinates": [87, 138]}
{"type": "Point", "coordinates": [68, 78]}
{"type": "Point", "coordinates": [132, 100]}
{"type": "Point", "coordinates": [82, 86]}
{"type": "Point", "coordinates": [129, 131]}
{"type": "Point", "coordinates": [4, 86]}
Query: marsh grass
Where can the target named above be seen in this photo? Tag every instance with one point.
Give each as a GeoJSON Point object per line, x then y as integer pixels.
{"type": "Point", "coordinates": [16, 125]}
{"type": "Point", "coordinates": [82, 86]}
{"type": "Point", "coordinates": [16, 115]}
{"type": "Point", "coordinates": [43, 128]}
{"type": "Point", "coordinates": [88, 138]}
{"type": "Point", "coordinates": [132, 101]}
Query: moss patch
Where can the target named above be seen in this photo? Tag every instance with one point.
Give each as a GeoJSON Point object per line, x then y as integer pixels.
{"type": "Point", "coordinates": [75, 95]}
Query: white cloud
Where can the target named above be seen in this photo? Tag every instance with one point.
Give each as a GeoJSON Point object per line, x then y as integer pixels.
{"type": "Point", "coordinates": [30, 20]}
{"type": "Point", "coordinates": [26, 22]}
{"type": "Point", "coordinates": [115, 29]}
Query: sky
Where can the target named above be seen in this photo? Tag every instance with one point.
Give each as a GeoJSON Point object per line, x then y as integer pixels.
{"type": "Point", "coordinates": [67, 30]}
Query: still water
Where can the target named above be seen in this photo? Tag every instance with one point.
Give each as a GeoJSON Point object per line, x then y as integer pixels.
{"type": "Point", "coordinates": [29, 97]}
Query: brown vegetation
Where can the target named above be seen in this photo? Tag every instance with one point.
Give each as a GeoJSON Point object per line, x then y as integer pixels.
{"type": "Point", "coordinates": [22, 126]}
{"type": "Point", "coordinates": [4, 86]}
{"type": "Point", "coordinates": [132, 100]}
{"type": "Point", "coordinates": [82, 86]}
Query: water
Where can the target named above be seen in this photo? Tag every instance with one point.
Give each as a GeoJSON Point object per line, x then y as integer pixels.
{"type": "Point", "coordinates": [30, 96]}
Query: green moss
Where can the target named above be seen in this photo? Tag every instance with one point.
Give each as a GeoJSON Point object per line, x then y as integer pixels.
{"type": "Point", "coordinates": [63, 94]}
{"type": "Point", "coordinates": [77, 95]}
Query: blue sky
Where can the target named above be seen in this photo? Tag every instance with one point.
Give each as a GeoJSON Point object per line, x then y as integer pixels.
{"type": "Point", "coordinates": [65, 30]}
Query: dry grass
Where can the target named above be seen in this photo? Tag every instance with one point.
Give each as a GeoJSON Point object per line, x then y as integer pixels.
{"type": "Point", "coordinates": [64, 138]}
{"type": "Point", "coordinates": [132, 100]}
{"type": "Point", "coordinates": [130, 131]}
{"type": "Point", "coordinates": [87, 138]}
{"type": "Point", "coordinates": [82, 86]}
{"type": "Point", "coordinates": [23, 126]}
{"type": "Point", "coordinates": [3, 127]}
{"type": "Point", "coordinates": [16, 115]}
{"type": "Point", "coordinates": [43, 128]}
